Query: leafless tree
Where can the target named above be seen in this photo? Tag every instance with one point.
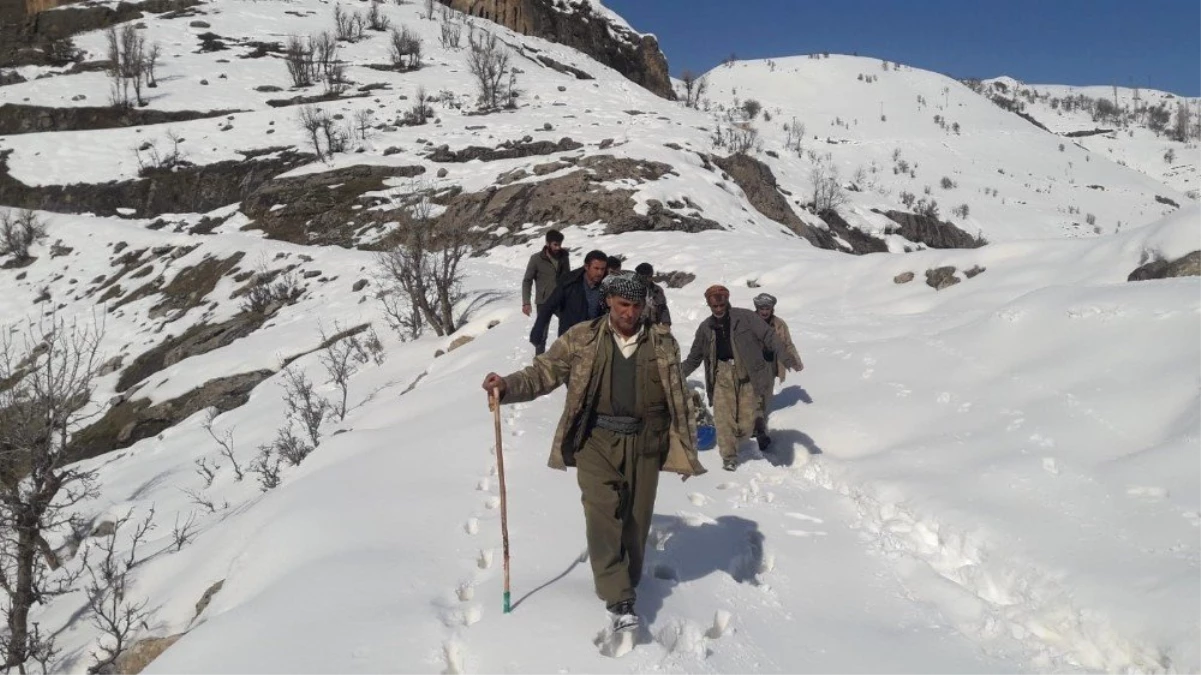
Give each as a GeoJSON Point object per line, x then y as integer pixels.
{"type": "Point", "coordinates": [312, 119]}
{"type": "Point", "coordinates": [19, 231]}
{"type": "Point", "coordinates": [304, 404]}
{"type": "Point", "coordinates": [488, 62]}
{"type": "Point", "coordinates": [429, 9]}
{"type": "Point", "coordinates": [426, 266]}
{"type": "Point", "coordinates": [324, 49]}
{"type": "Point", "coordinates": [828, 193]}
{"type": "Point", "coordinates": [298, 54]}
{"type": "Point", "coordinates": [225, 440]}
{"type": "Point", "coordinates": [46, 376]}
{"type": "Point", "coordinates": [110, 610]}
{"type": "Point", "coordinates": [207, 472]}
{"type": "Point", "coordinates": [362, 122]}
{"type": "Point", "coordinates": [127, 64]}
{"type": "Point", "coordinates": [152, 56]}
{"type": "Point", "coordinates": [341, 359]}
{"type": "Point", "coordinates": [742, 139]}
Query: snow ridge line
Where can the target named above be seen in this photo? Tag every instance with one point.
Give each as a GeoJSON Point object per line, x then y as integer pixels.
{"type": "Point", "coordinates": [1012, 599]}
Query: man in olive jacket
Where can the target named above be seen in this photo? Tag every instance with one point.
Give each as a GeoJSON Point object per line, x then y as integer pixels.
{"type": "Point", "coordinates": [545, 270]}
{"type": "Point", "coordinates": [731, 343]}
{"type": "Point", "coordinates": [626, 418]}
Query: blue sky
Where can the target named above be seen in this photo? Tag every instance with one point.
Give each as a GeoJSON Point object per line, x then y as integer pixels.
{"type": "Point", "coordinates": [1153, 43]}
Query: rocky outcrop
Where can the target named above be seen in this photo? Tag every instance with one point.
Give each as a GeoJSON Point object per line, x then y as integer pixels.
{"type": "Point", "coordinates": [575, 24]}
{"type": "Point", "coordinates": [860, 242]}
{"type": "Point", "coordinates": [128, 422]}
{"type": "Point", "coordinates": [194, 189]}
{"type": "Point", "coordinates": [17, 118]}
{"type": "Point", "coordinates": [932, 232]}
{"type": "Point", "coordinates": [939, 278]}
{"type": "Point", "coordinates": [578, 198]}
{"type": "Point", "coordinates": [28, 40]}
{"type": "Point", "coordinates": [197, 340]}
{"type": "Point", "coordinates": [323, 208]}
{"type": "Point", "coordinates": [139, 655]}
{"type": "Point", "coordinates": [526, 147]}
{"type": "Point", "coordinates": [759, 184]}
{"type": "Point", "coordinates": [1184, 266]}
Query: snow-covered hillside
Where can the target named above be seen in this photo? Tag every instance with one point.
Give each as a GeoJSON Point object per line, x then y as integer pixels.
{"type": "Point", "coordinates": [1136, 130]}
{"type": "Point", "coordinates": [901, 129]}
{"type": "Point", "coordinates": [1003, 475]}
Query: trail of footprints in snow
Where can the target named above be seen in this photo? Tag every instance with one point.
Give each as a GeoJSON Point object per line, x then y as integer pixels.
{"type": "Point", "coordinates": [467, 612]}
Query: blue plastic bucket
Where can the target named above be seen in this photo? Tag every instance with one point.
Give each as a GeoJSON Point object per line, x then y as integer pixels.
{"type": "Point", "coordinates": [706, 437]}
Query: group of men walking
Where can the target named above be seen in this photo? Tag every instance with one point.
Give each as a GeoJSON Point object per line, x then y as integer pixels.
{"type": "Point", "coordinates": [628, 412]}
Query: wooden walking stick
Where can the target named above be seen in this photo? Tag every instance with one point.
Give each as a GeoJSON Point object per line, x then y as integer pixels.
{"type": "Point", "coordinates": [494, 404]}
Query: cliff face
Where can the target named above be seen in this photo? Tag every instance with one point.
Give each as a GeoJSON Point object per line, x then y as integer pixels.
{"type": "Point", "coordinates": [575, 24]}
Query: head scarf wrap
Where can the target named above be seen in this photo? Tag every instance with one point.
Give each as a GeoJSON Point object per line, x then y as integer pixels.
{"type": "Point", "coordinates": [626, 285]}
{"type": "Point", "coordinates": [716, 289]}
{"type": "Point", "coordinates": [764, 300]}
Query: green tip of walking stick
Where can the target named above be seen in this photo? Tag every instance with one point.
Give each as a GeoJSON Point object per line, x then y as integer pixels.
{"type": "Point", "coordinates": [508, 608]}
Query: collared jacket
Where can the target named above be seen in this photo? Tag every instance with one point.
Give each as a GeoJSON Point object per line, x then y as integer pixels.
{"type": "Point", "coordinates": [750, 337]}
{"type": "Point", "coordinates": [542, 274]}
{"type": "Point", "coordinates": [569, 302]}
{"type": "Point", "coordinates": [571, 360]}
{"type": "Point", "coordinates": [784, 339]}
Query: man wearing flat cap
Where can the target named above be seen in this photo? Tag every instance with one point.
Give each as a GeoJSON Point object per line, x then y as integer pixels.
{"type": "Point", "coordinates": [626, 418]}
{"type": "Point", "coordinates": [731, 343]}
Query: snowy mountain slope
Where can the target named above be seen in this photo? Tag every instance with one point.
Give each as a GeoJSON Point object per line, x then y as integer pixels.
{"type": "Point", "coordinates": [1133, 138]}
{"type": "Point", "coordinates": [998, 476]}
{"type": "Point", "coordinates": [863, 114]}
{"type": "Point", "coordinates": [985, 492]}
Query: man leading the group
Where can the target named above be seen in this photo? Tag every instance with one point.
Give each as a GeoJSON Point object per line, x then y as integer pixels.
{"type": "Point", "coordinates": [545, 271]}
{"type": "Point", "coordinates": [765, 307]}
{"type": "Point", "coordinates": [731, 343]}
{"type": "Point", "coordinates": [626, 418]}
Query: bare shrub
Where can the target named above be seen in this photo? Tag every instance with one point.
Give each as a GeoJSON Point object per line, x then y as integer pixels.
{"type": "Point", "coordinates": [376, 20]}
{"type": "Point", "coordinates": [751, 108]}
{"type": "Point", "coordinates": [288, 446]}
{"type": "Point", "coordinates": [362, 122]}
{"type": "Point", "coordinates": [425, 269]}
{"type": "Point", "coordinates": [488, 62]}
{"type": "Point", "coordinates": [694, 88]}
{"type": "Point", "coordinates": [907, 198]}
{"type": "Point", "coordinates": [828, 193]}
{"type": "Point", "coordinates": [108, 605]}
{"type": "Point", "coordinates": [271, 290]}
{"type": "Point", "coordinates": [452, 34]}
{"type": "Point", "coordinates": [304, 404]}
{"type": "Point", "coordinates": [405, 49]}
{"type": "Point", "coordinates": [961, 211]}
{"type": "Point", "coordinates": [946, 183]}
{"type": "Point", "coordinates": [429, 9]}
{"type": "Point", "coordinates": [225, 441]}
{"type": "Point", "coordinates": [46, 373]}
{"type": "Point", "coordinates": [183, 533]}
{"type": "Point", "coordinates": [348, 26]}
{"type": "Point", "coordinates": [311, 120]}
{"type": "Point", "coordinates": [207, 472]}
{"type": "Point", "coordinates": [341, 359]}
{"type": "Point", "coordinates": [19, 231]}
{"type": "Point", "coordinates": [420, 112]}
{"type": "Point", "coordinates": [152, 160]}
{"type": "Point", "coordinates": [266, 465]}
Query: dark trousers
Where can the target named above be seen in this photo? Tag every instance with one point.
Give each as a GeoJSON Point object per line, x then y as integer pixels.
{"type": "Point", "coordinates": [540, 340]}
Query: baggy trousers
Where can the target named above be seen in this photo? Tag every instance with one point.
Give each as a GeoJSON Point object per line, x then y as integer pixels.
{"type": "Point", "coordinates": [619, 476]}
{"type": "Point", "coordinates": [735, 408]}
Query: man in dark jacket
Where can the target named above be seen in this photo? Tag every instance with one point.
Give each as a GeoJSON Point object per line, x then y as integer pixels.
{"type": "Point", "coordinates": [545, 270]}
{"type": "Point", "coordinates": [731, 344]}
{"type": "Point", "coordinates": [577, 298]}
{"type": "Point", "coordinates": [656, 300]}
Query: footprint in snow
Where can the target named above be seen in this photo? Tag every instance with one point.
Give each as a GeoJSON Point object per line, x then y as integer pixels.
{"type": "Point", "coordinates": [484, 560]}
{"type": "Point", "coordinates": [697, 498]}
{"type": "Point", "coordinates": [729, 485]}
{"type": "Point", "coordinates": [492, 503]}
{"type": "Point", "coordinates": [472, 526]}
{"type": "Point", "coordinates": [696, 519]}
{"type": "Point", "coordinates": [472, 615]}
{"type": "Point", "coordinates": [808, 533]}
{"type": "Point", "coordinates": [1147, 491]}
{"type": "Point", "coordinates": [452, 656]}
{"type": "Point", "coordinates": [945, 397]}
{"type": "Point", "coordinates": [465, 592]}
{"type": "Point", "coordinates": [721, 623]}
{"type": "Point", "coordinates": [483, 485]}
{"type": "Point", "coordinates": [665, 572]}
{"type": "Point", "coordinates": [806, 517]}
{"type": "Point", "coordinates": [1051, 466]}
